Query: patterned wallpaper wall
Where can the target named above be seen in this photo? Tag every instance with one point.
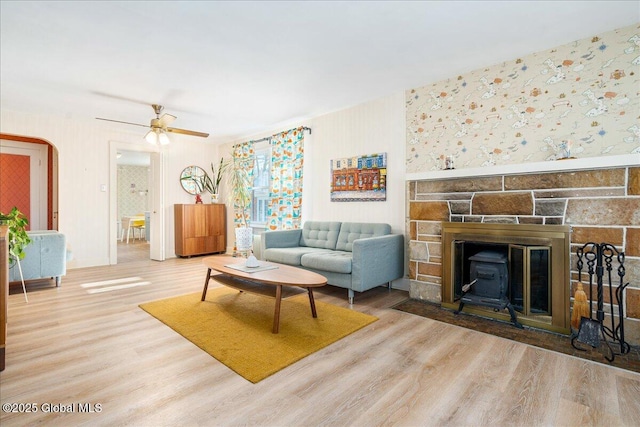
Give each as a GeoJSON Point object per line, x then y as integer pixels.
{"type": "Point", "coordinates": [132, 180]}
{"type": "Point", "coordinates": [581, 99]}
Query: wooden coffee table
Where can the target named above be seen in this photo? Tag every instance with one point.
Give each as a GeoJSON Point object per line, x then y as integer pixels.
{"type": "Point", "coordinates": [280, 282]}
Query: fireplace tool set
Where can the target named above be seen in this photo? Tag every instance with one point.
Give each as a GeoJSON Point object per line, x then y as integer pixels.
{"type": "Point", "coordinates": [599, 260]}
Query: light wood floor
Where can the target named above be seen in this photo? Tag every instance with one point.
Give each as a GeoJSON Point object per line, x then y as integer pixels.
{"type": "Point", "coordinates": [69, 346]}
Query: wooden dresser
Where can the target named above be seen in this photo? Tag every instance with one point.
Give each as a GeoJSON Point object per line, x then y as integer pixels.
{"type": "Point", "coordinates": [200, 229]}
{"type": "Point", "coordinates": [4, 290]}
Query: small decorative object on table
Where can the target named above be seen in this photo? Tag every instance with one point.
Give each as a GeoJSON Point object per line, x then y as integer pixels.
{"type": "Point", "coordinates": [562, 151]}
{"type": "Point", "coordinates": [565, 150]}
{"type": "Point", "coordinates": [252, 261]}
{"type": "Point", "coordinates": [198, 199]}
{"type": "Point", "coordinates": [244, 239]}
{"type": "Point", "coordinates": [448, 163]}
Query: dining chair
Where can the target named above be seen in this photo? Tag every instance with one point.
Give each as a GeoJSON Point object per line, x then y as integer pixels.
{"type": "Point", "coordinates": [138, 225]}
{"type": "Point", "coordinates": [126, 228]}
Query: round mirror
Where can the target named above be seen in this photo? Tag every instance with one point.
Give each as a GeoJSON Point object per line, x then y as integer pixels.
{"type": "Point", "coordinates": [190, 178]}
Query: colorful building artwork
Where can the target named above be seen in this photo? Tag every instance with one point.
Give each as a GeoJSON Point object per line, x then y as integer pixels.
{"type": "Point", "coordinates": [362, 178]}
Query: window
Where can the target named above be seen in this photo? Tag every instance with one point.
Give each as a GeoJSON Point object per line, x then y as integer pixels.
{"type": "Point", "coordinates": [261, 185]}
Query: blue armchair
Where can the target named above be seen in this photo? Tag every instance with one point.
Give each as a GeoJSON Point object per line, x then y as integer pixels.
{"type": "Point", "coordinates": [46, 256]}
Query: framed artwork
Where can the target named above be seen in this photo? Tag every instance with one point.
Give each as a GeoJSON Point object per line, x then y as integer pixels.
{"type": "Point", "coordinates": [359, 179]}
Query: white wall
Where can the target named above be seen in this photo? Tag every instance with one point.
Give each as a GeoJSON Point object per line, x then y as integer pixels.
{"type": "Point", "coordinates": [83, 152]}
{"type": "Point", "coordinates": [373, 127]}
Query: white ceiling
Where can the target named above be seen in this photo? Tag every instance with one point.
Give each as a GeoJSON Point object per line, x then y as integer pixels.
{"type": "Point", "coordinates": [234, 69]}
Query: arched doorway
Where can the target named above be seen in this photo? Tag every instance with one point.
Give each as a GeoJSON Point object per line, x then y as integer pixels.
{"type": "Point", "coordinates": [29, 179]}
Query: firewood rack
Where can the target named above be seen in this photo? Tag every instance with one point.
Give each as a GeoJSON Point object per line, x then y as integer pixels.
{"type": "Point", "coordinates": [599, 259]}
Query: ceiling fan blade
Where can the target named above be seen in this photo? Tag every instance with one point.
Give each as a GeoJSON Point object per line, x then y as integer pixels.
{"type": "Point", "coordinates": [167, 119]}
{"type": "Point", "coordinates": [119, 121]}
{"type": "Point", "coordinates": [120, 98]}
{"type": "Point", "coordinates": [188, 132]}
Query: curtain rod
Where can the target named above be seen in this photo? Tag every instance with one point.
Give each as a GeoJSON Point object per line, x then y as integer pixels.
{"type": "Point", "coordinates": [268, 138]}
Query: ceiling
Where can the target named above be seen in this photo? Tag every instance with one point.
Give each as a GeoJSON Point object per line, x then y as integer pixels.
{"type": "Point", "coordinates": [234, 69]}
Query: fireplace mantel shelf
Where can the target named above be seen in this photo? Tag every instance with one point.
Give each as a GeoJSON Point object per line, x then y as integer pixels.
{"type": "Point", "coordinates": [587, 163]}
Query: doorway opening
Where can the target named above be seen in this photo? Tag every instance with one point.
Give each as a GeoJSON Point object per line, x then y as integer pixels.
{"type": "Point", "coordinates": [150, 212]}
{"type": "Point", "coordinates": [133, 205]}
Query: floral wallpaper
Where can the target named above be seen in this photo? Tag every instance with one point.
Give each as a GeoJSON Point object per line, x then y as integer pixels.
{"type": "Point", "coordinates": [577, 100]}
{"type": "Point", "coordinates": [133, 190]}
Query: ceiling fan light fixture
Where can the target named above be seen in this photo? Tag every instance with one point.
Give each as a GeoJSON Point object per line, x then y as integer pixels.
{"type": "Point", "coordinates": [163, 138]}
{"type": "Point", "coordinates": [159, 127]}
{"type": "Point", "coordinates": [151, 137]}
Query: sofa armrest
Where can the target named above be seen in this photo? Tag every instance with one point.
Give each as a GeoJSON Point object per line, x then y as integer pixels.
{"type": "Point", "coordinates": [281, 239]}
{"type": "Point", "coordinates": [377, 260]}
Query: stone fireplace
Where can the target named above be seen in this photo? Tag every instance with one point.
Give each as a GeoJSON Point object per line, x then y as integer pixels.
{"type": "Point", "coordinates": [584, 200]}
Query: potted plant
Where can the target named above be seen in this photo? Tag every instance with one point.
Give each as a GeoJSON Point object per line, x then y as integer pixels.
{"type": "Point", "coordinates": [18, 237]}
{"type": "Point", "coordinates": [240, 187]}
{"type": "Point", "coordinates": [213, 185]}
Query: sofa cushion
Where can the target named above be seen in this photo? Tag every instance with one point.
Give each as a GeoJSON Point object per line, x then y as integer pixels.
{"type": "Point", "coordinates": [320, 234]}
{"type": "Point", "coordinates": [350, 231]}
{"type": "Point", "coordinates": [289, 256]}
{"type": "Point", "coordinates": [334, 261]}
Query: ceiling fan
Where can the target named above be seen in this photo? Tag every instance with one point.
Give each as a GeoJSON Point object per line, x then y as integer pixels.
{"type": "Point", "coordinates": [159, 127]}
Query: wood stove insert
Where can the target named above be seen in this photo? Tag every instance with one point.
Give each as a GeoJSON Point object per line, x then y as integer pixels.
{"type": "Point", "coordinates": [489, 284]}
{"type": "Point", "coordinates": [537, 261]}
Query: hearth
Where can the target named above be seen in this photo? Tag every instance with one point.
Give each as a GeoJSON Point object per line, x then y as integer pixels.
{"type": "Point", "coordinates": [530, 263]}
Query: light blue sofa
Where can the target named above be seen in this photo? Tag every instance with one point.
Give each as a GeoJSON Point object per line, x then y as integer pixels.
{"type": "Point", "coordinates": [357, 256]}
{"type": "Point", "coordinates": [45, 257]}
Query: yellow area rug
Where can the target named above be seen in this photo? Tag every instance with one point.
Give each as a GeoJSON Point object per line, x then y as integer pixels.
{"type": "Point", "coordinates": [235, 328]}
